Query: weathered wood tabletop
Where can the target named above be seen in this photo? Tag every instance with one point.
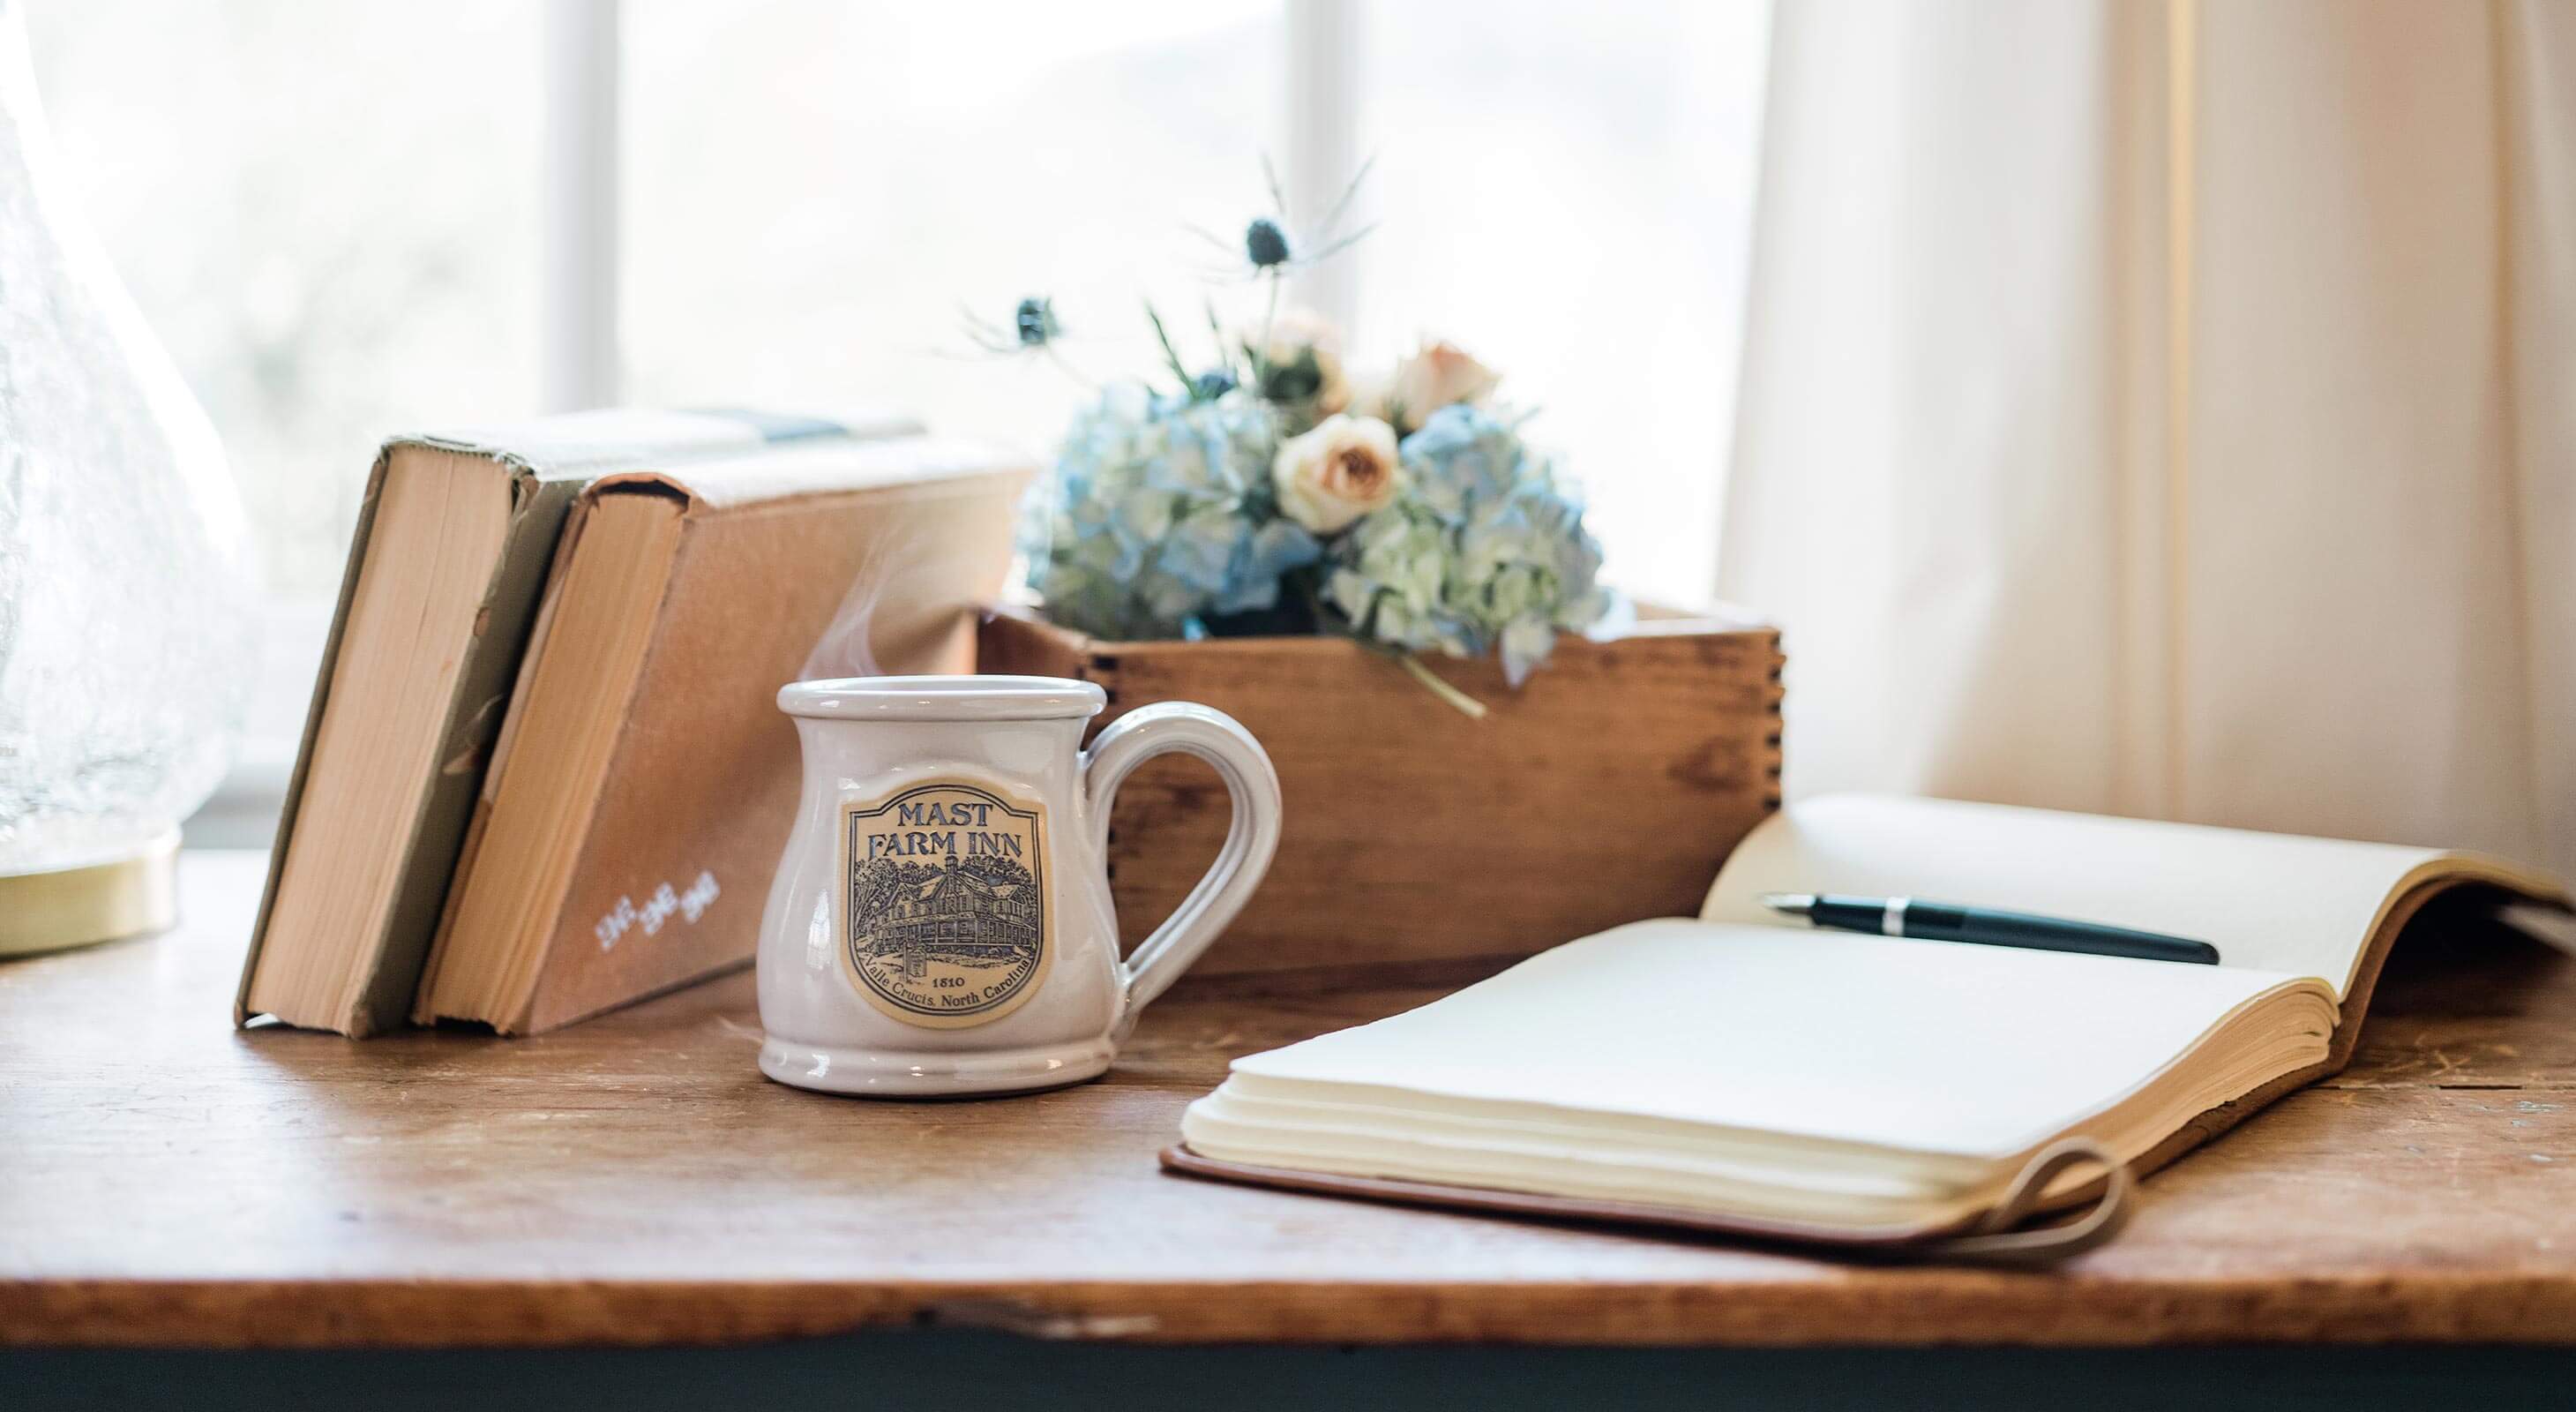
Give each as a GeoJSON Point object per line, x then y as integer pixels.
{"type": "Point", "coordinates": [165, 1180]}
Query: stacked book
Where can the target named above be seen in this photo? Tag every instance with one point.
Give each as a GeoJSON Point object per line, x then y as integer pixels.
{"type": "Point", "coordinates": [543, 774]}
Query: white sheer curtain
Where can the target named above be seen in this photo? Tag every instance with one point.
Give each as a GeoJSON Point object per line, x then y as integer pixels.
{"type": "Point", "coordinates": [2170, 409]}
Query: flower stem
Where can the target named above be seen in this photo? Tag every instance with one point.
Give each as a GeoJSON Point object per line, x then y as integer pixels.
{"type": "Point", "coordinates": [1468, 706]}
{"type": "Point", "coordinates": [1171, 355]}
{"type": "Point", "coordinates": [1068, 369]}
{"type": "Point", "coordinates": [1261, 355]}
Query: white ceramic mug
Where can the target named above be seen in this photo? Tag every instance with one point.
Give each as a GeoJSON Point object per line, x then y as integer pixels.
{"type": "Point", "coordinates": [941, 922]}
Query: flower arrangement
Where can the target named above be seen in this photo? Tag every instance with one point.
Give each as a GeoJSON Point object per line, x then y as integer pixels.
{"type": "Point", "coordinates": [1265, 488]}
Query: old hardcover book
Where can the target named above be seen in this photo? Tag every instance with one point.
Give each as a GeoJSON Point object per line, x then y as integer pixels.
{"type": "Point", "coordinates": [645, 780]}
{"type": "Point", "coordinates": [453, 540]}
{"type": "Point", "coordinates": [1741, 1072]}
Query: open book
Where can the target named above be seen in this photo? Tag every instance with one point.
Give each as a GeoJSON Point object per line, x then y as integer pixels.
{"type": "Point", "coordinates": [1744, 1072]}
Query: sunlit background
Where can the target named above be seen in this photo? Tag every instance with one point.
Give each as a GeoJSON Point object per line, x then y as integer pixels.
{"type": "Point", "coordinates": [332, 214]}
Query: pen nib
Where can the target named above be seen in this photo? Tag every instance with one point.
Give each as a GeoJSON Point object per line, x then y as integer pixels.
{"type": "Point", "coordinates": [1794, 904]}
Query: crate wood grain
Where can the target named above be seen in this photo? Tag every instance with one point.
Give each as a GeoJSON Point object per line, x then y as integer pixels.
{"type": "Point", "coordinates": [1607, 789]}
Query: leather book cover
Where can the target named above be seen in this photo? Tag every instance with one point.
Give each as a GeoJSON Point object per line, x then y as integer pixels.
{"type": "Point", "coordinates": [2054, 1181]}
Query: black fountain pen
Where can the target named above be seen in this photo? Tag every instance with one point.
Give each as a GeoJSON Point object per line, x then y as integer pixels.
{"type": "Point", "coordinates": [1943, 921]}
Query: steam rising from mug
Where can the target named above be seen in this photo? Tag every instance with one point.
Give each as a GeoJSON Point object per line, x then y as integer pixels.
{"type": "Point", "coordinates": [846, 647]}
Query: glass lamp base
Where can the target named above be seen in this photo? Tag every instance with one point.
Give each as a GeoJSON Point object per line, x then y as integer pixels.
{"type": "Point", "coordinates": [70, 907]}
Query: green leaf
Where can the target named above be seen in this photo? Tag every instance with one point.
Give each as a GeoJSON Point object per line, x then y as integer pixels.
{"type": "Point", "coordinates": [1171, 355]}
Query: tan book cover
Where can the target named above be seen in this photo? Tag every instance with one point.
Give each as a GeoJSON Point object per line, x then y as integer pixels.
{"type": "Point", "coordinates": [645, 779]}
{"type": "Point", "coordinates": [386, 773]}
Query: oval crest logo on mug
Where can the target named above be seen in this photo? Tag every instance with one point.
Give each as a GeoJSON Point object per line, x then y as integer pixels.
{"type": "Point", "coordinates": [948, 921]}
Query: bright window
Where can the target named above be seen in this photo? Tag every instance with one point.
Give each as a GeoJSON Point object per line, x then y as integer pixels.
{"type": "Point", "coordinates": [814, 190]}
{"type": "Point", "coordinates": [1566, 190]}
{"type": "Point", "coordinates": [329, 216]}
{"type": "Point", "coordinates": [335, 216]}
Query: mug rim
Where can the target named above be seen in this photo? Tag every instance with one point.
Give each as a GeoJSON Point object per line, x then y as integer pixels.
{"type": "Point", "coordinates": [942, 698]}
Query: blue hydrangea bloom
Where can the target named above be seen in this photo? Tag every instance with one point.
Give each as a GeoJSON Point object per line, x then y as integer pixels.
{"type": "Point", "coordinates": [1161, 512]}
{"type": "Point", "coordinates": [1482, 551]}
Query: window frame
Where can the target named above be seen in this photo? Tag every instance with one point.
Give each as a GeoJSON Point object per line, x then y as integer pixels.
{"type": "Point", "coordinates": [578, 327]}
{"type": "Point", "coordinates": [579, 316]}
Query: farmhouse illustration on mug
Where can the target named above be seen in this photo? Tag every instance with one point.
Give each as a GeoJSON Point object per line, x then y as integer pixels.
{"type": "Point", "coordinates": [946, 906]}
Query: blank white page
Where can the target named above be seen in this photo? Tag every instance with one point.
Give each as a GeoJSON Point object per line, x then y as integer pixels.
{"type": "Point", "coordinates": [2273, 902]}
{"type": "Point", "coordinates": [1919, 1046]}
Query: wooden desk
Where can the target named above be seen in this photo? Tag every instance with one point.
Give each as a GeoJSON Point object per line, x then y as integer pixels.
{"type": "Point", "coordinates": [165, 1180]}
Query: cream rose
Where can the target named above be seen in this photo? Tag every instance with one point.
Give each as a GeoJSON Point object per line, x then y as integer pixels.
{"type": "Point", "coordinates": [1331, 476]}
{"type": "Point", "coordinates": [1438, 374]}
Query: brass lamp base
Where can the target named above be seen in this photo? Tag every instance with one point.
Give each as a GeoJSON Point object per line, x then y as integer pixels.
{"type": "Point", "coordinates": [100, 902]}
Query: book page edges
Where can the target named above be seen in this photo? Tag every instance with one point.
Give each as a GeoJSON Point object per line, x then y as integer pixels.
{"type": "Point", "coordinates": [2429, 881]}
{"type": "Point", "coordinates": [2228, 1050]}
{"type": "Point", "coordinates": [537, 506]}
{"type": "Point", "coordinates": [358, 537]}
{"type": "Point", "coordinates": [1836, 1007]}
{"type": "Point", "coordinates": [466, 740]}
{"type": "Point", "coordinates": [519, 1010]}
{"type": "Point", "coordinates": [494, 776]}
{"type": "Point", "coordinates": [1892, 1239]}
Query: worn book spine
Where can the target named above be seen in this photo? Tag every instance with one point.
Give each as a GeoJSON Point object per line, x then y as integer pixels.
{"type": "Point", "coordinates": [538, 501]}
{"type": "Point", "coordinates": [537, 506]}
{"type": "Point", "coordinates": [549, 461]}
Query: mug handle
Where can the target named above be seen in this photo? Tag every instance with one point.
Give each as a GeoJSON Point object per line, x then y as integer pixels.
{"type": "Point", "coordinates": [1250, 840]}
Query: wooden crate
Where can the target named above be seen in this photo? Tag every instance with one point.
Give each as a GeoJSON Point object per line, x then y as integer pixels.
{"type": "Point", "coordinates": [1607, 789]}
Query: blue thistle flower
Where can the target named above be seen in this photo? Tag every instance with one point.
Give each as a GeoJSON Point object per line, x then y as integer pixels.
{"type": "Point", "coordinates": [1264, 243]}
{"type": "Point", "coordinates": [1031, 331]}
{"type": "Point", "coordinates": [1035, 323]}
{"type": "Point", "coordinates": [1269, 248]}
